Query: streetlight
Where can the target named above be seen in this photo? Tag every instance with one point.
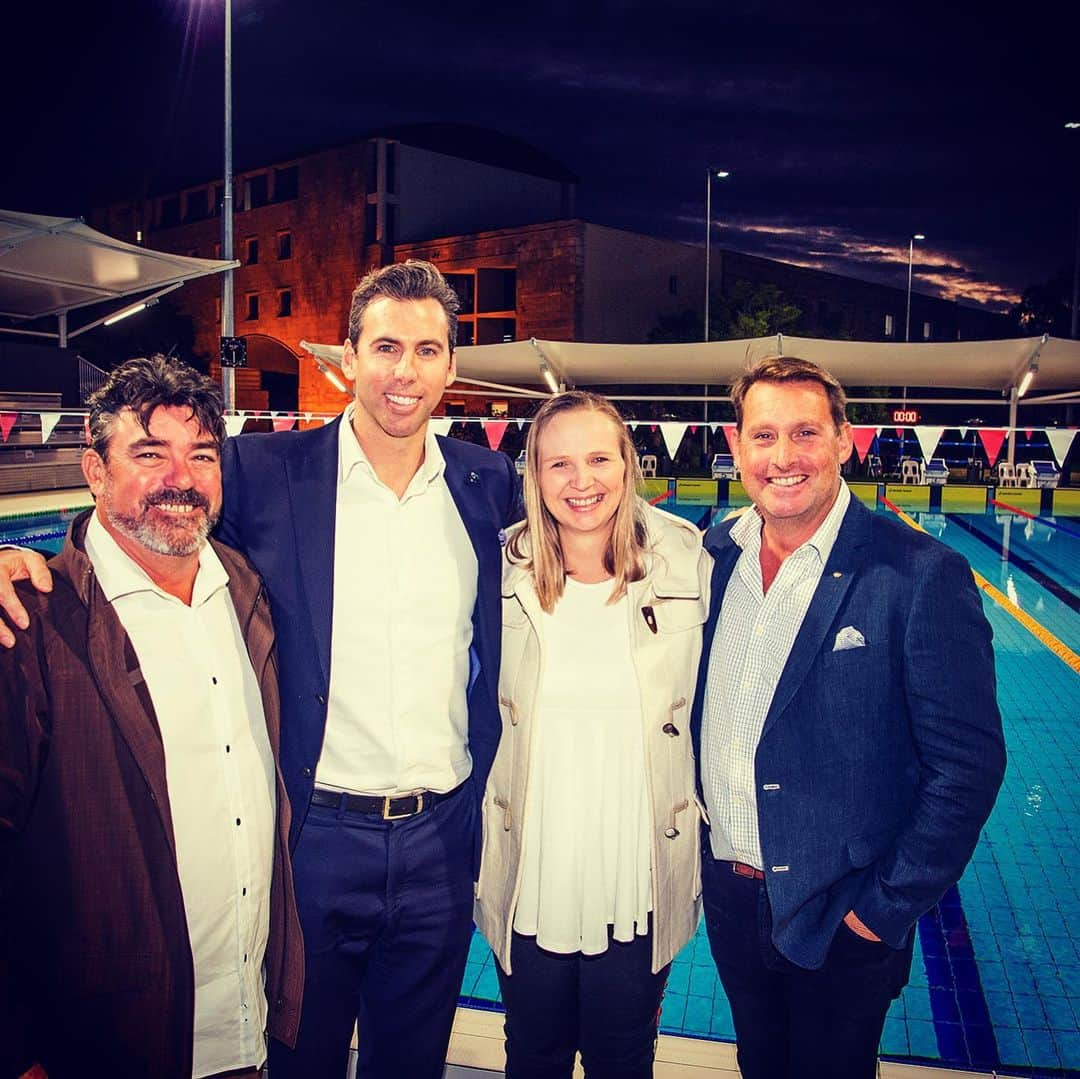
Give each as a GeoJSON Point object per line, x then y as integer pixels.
{"type": "Point", "coordinates": [1073, 125]}
{"type": "Point", "coordinates": [710, 175]}
{"type": "Point", "coordinates": [228, 378]}
{"type": "Point", "coordinates": [910, 256]}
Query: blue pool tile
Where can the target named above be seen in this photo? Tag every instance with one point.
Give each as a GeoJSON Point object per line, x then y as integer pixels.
{"type": "Point", "coordinates": [698, 1015]}
{"type": "Point", "coordinates": [1042, 1050]}
{"type": "Point", "coordinates": [894, 1038]}
{"type": "Point", "coordinates": [1029, 1009]}
{"type": "Point", "coordinates": [922, 1039]}
{"type": "Point", "coordinates": [1011, 1048]}
{"type": "Point", "coordinates": [951, 1043]}
{"type": "Point", "coordinates": [944, 1005]}
{"type": "Point", "coordinates": [703, 981]}
{"type": "Point", "coordinates": [679, 978]}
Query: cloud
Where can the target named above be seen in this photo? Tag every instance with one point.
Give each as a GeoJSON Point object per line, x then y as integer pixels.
{"type": "Point", "coordinates": [842, 250]}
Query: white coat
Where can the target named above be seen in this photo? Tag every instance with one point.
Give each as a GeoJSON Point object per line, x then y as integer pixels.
{"type": "Point", "coordinates": [666, 610]}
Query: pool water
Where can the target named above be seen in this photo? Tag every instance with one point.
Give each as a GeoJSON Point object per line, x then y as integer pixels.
{"type": "Point", "coordinates": [995, 982]}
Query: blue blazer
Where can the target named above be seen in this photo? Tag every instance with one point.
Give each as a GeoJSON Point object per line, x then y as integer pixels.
{"type": "Point", "coordinates": [280, 493]}
{"type": "Point", "coordinates": [877, 766]}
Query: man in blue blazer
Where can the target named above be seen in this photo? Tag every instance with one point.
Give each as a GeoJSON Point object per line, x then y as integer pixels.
{"type": "Point", "coordinates": [848, 736]}
{"type": "Point", "coordinates": [379, 544]}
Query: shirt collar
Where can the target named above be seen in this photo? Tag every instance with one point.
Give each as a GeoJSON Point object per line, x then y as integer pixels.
{"type": "Point", "coordinates": [351, 456]}
{"type": "Point", "coordinates": [120, 576]}
{"type": "Point", "coordinates": [746, 532]}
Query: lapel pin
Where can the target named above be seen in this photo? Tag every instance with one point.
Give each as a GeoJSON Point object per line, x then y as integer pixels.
{"type": "Point", "coordinates": [472, 479]}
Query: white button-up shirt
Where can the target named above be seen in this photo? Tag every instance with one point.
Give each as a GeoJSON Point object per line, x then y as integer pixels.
{"type": "Point", "coordinates": [222, 797]}
{"type": "Point", "coordinates": [754, 636]}
{"type": "Point", "coordinates": [404, 592]}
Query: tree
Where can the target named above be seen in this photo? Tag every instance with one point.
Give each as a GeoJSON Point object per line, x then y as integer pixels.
{"type": "Point", "coordinates": [1045, 307]}
{"type": "Point", "coordinates": [744, 310]}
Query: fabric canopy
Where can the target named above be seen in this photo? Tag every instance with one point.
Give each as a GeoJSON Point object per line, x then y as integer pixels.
{"type": "Point", "coordinates": [51, 265]}
{"type": "Point", "coordinates": [981, 365]}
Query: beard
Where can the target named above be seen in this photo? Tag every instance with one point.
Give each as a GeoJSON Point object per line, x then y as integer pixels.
{"type": "Point", "coordinates": [175, 536]}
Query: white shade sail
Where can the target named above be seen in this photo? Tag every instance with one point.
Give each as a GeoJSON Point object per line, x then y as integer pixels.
{"type": "Point", "coordinates": [51, 265]}
{"type": "Point", "coordinates": [980, 365]}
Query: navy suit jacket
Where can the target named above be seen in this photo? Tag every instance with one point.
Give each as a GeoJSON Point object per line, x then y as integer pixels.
{"type": "Point", "coordinates": [280, 493]}
{"type": "Point", "coordinates": [877, 766]}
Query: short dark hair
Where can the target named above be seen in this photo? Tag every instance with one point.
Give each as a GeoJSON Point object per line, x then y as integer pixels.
{"type": "Point", "coordinates": [413, 279]}
{"type": "Point", "coordinates": [790, 369]}
{"type": "Point", "coordinates": [150, 382]}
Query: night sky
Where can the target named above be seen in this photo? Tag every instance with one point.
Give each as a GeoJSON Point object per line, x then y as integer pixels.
{"type": "Point", "coordinates": [845, 131]}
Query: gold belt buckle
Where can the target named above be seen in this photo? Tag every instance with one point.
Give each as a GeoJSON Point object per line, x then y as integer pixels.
{"type": "Point", "coordinates": [387, 799]}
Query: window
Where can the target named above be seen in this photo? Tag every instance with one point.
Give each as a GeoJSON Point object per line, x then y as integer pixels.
{"type": "Point", "coordinates": [890, 326]}
{"type": "Point", "coordinates": [927, 330]}
{"type": "Point", "coordinates": [286, 183]}
{"type": "Point", "coordinates": [197, 208]}
{"type": "Point", "coordinates": [488, 299]}
{"type": "Point", "coordinates": [257, 194]}
{"type": "Point", "coordinates": [284, 303]}
{"type": "Point", "coordinates": [284, 245]}
{"type": "Point", "coordinates": [170, 212]}
{"type": "Point", "coordinates": [252, 306]}
{"type": "Point", "coordinates": [252, 256]}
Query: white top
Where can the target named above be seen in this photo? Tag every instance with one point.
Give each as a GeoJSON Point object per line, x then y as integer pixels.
{"type": "Point", "coordinates": [404, 591]}
{"type": "Point", "coordinates": [222, 795]}
{"type": "Point", "coordinates": [586, 842]}
{"type": "Point", "coordinates": [754, 637]}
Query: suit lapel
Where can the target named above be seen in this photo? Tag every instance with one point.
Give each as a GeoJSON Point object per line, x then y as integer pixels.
{"type": "Point", "coordinates": [467, 489]}
{"type": "Point", "coordinates": [115, 669]}
{"type": "Point", "coordinates": [311, 469]}
{"type": "Point", "coordinates": [845, 560]}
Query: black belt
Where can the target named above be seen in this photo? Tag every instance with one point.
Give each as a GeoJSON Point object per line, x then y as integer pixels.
{"type": "Point", "coordinates": [389, 807]}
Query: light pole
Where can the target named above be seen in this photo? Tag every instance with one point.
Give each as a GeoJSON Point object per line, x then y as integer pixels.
{"type": "Point", "coordinates": [910, 256]}
{"type": "Point", "coordinates": [710, 175]}
{"type": "Point", "coordinates": [1074, 125]}
{"type": "Point", "coordinates": [228, 375]}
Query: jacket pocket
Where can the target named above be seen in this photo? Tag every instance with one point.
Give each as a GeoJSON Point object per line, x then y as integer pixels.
{"type": "Point", "coordinates": [679, 615]}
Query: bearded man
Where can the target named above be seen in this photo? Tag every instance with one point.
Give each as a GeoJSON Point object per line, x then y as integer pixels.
{"type": "Point", "coordinates": [144, 866]}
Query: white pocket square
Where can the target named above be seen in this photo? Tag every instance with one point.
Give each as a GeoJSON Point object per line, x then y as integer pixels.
{"type": "Point", "coordinates": [848, 637]}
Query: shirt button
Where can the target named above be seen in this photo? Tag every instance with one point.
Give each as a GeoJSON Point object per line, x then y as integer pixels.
{"type": "Point", "coordinates": [307, 773]}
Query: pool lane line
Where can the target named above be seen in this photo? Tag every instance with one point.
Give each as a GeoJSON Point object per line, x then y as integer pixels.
{"type": "Point", "coordinates": [1057, 589]}
{"type": "Point", "coordinates": [1033, 517]}
{"type": "Point", "coordinates": [1036, 629]}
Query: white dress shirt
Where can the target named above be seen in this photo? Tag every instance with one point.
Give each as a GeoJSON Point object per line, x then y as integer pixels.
{"type": "Point", "coordinates": [404, 592]}
{"type": "Point", "coordinates": [754, 637]}
{"type": "Point", "coordinates": [587, 850]}
{"type": "Point", "coordinates": [222, 798]}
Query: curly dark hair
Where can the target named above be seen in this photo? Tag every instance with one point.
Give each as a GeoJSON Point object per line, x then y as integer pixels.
{"type": "Point", "coordinates": [150, 382]}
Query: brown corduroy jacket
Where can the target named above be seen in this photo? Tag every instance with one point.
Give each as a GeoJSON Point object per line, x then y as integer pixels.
{"type": "Point", "coordinates": [96, 972]}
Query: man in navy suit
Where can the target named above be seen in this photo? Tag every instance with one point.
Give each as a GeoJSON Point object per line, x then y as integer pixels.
{"type": "Point", "coordinates": [379, 546]}
{"type": "Point", "coordinates": [848, 735]}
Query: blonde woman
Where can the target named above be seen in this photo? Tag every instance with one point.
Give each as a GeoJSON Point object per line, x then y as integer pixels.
{"type": "Point", "coordinates": [589, 882]}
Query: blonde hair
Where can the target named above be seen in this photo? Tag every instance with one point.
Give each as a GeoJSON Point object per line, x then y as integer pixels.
{"type": "Point", "coordinates": [536, 544]}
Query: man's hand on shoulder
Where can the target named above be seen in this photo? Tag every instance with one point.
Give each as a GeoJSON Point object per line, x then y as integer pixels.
{"type": "Point", "coordinates": [858, 927]}
{"type": "Point", "coordinates": [19, 565]}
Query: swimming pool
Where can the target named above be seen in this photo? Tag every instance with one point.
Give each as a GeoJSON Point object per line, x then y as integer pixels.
{"type": "Point", "coordinates": [995, 982]}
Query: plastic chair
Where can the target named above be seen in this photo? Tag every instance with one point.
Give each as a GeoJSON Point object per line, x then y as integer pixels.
{"type": "Point", "coordinates": [873, 466]}
{"type": "Point", "coordinates": [1025, 477]}
{"type": "Point", "coordinates": [911, 471]}
{"type": "Point", "coordinates": [936, 473]}
{"type": "Point", "coordinates": [723, 467]}
{"type": "Point", "coordinates": [648, 466]}
{"type": "Point", "coordinates": [1006, 475]}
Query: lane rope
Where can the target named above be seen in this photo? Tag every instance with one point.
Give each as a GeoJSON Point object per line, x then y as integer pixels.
{"type": "Point", "coordinates": [1036, 629]}
{"type": "Point", "coordinates": [1032, 517]}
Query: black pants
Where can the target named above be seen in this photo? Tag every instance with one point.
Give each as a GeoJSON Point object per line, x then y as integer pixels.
{"type": "Point", "coordinates": [605, 1005]}
{"type": "Point", "coordinates": [789, 1021]}
{"type": "Point", "coordinates": [386, 911]}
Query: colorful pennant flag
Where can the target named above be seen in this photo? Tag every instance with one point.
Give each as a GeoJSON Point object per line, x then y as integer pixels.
{"type": "Point", "coordinates": [49, 421]}
{"type": "Point", "coordinates": [1061, 442]}
{"type": "Point", "coordinates": [495, 429]}
{"type": "Point", "coordinates": [928, 437]}
{"type": "Point", "coordinates": [235, 424]}
{"type": "Point", "coordinates": [992, 439]}
{"type": "Point", "coordinates": [283, 421]}
{"type": "Point", "coordinates": [673, 435]}
{"type": "Point", "coordinates": [863, 437]}
{"type": "Point", "coordinates": [7, 421]}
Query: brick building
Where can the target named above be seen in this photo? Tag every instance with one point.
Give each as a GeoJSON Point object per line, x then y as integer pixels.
{"type": "Point", "coordinates": [493, 214]}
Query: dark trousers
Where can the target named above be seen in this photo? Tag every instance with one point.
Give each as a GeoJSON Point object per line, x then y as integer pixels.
{"type": "Point", "coordinates": [386, 912]}
{"type": "Point", "coordinates": [605, 1005]}
{"type": "Point", "coordinates": [789, 1021]}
